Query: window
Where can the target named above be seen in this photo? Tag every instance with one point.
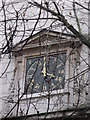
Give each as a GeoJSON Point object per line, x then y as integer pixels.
{"type": "Point", "coordinates": [45, 73]}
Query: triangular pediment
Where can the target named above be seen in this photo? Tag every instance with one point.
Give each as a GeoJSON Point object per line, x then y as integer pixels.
{"type": "Point", "coordinates": [47, 37]}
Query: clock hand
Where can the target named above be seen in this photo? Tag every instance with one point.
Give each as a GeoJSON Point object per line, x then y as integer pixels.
{"type": "Point", "coordinates": [44, 68]}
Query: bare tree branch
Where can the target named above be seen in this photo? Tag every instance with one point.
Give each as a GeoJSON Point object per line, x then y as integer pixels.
{"type": "Point", "coordinates": [62, 19]}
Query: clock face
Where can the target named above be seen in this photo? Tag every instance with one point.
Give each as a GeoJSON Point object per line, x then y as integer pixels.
{"type": "Point", "coordinates": [45, 73]}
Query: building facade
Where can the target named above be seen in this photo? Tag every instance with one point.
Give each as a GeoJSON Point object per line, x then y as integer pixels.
{"type": "Point", "coordinates": [47, 77]}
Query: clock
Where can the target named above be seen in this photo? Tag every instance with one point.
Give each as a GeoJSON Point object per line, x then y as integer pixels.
{"type": "Point", "coordinates": [45, 73]}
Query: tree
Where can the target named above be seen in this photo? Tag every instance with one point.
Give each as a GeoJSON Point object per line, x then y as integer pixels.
{"type": "Point", "coordinates": [18, 26]}
{"type": "Point", "coordinates": [20, 16]}
{"type": "Point", "coordinates": [62, 19]}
